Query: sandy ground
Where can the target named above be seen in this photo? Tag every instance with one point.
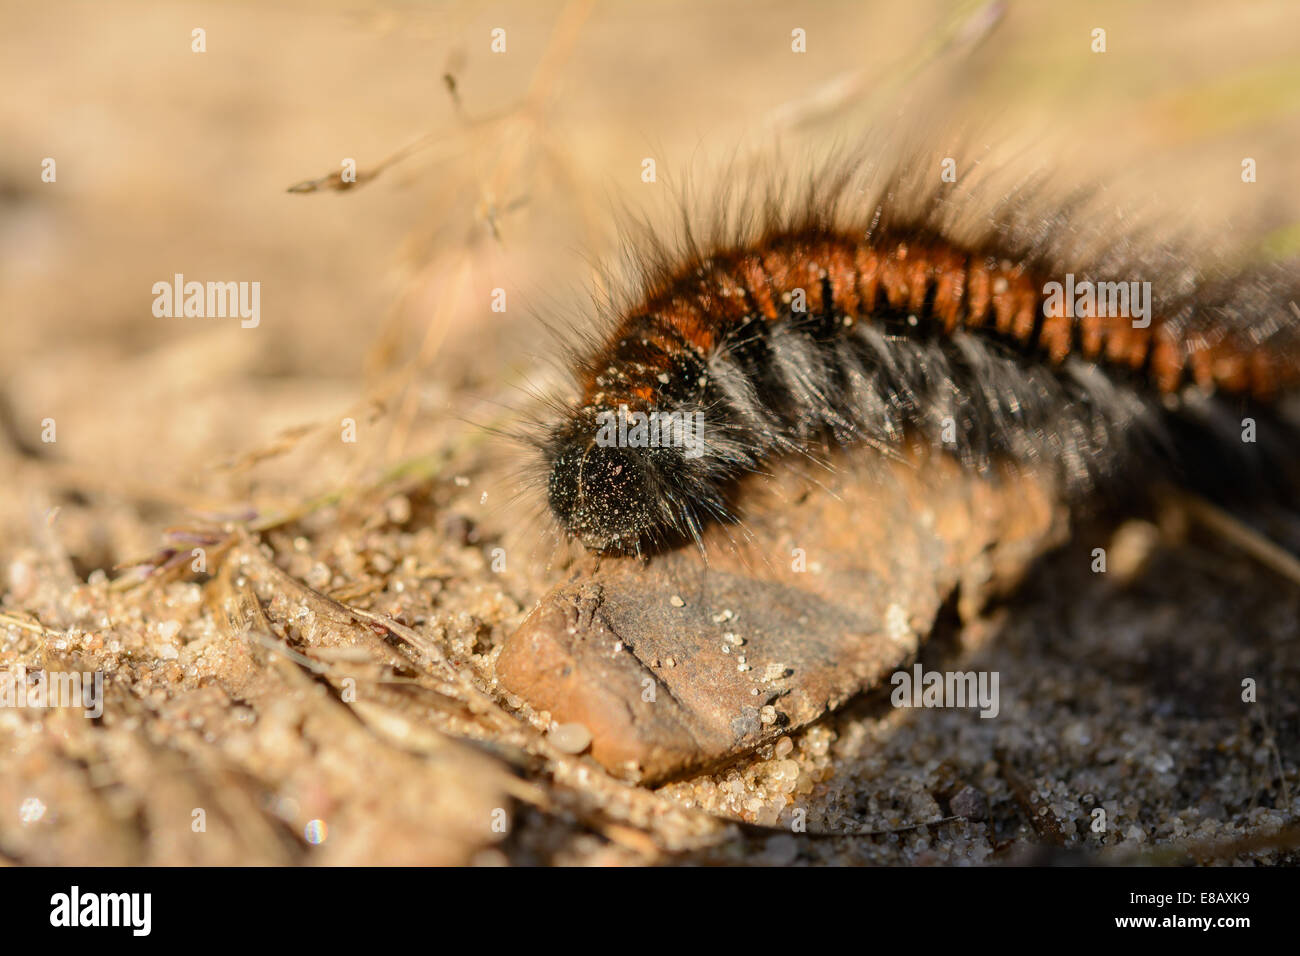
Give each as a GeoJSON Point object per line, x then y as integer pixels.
{"type": "Point", "coordinates": [253, 714]}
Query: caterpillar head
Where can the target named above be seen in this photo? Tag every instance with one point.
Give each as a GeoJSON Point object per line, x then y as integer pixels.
{"type": "Point", "coordinates": [627, 489]}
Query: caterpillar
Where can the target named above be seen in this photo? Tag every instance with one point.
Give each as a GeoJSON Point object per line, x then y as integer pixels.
{"type": "Point", "coordinates": [888, 312]}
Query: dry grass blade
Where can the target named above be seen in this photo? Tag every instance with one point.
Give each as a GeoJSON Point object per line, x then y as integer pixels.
{"type": "Point", "coordinates": [1233, 530]}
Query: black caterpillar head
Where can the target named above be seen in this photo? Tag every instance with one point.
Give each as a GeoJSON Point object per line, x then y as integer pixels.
{"type": "Point", "coordinates": [618, 491]}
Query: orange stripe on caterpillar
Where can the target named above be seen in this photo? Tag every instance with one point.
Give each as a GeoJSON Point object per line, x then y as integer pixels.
{"type": "Point", "coordinates": [939, 284]}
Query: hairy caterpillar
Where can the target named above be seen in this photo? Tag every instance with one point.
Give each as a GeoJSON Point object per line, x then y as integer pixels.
{"type": "Point", "coordinates": [888, 310]}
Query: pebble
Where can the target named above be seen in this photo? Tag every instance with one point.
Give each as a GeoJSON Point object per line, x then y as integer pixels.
{"type": "Point", "coordinates": [31, 811]}
{"type": "Point", "coordinates": [398, 509]}
{"type": "Point", "coordinates": [970, 803]}
{"type": "Point", "coordinates": [570, 738]}
{"type": "Point", "coordinates": [897, 628]}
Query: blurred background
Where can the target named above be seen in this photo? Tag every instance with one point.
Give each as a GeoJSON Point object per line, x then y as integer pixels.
{"type": "Point", "coordinates": [376, 301]}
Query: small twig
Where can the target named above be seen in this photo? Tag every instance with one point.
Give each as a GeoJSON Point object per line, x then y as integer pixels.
{"type": "Point", "coordinates": [1271, 741]}
{"type": "Point", "coordinates": [35, 628]}
{"type": "Point", "coordinates": [1287, 838]}
{"type": "Point", "coordinates": [1045, 825]}
{"type": "Point", "coordinates": [759, 829]}
{"type": "Point", "coordinates": [1267, 553]}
